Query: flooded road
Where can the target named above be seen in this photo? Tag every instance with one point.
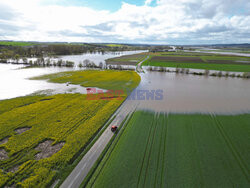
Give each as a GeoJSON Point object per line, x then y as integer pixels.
{"type": "Point", "coordinates": [189, 94]}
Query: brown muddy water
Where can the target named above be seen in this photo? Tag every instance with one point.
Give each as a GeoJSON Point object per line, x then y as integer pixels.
{"type": "Point", "coordinates": [191, 94]}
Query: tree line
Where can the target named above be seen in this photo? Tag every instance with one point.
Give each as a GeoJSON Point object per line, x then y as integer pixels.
{"type": "Point", "coordinates": [7, 52]}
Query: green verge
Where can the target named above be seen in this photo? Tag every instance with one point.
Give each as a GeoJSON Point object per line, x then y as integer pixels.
{"type": "Point", "coordinates": [179, 150]}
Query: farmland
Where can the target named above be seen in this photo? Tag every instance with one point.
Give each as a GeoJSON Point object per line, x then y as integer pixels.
{"type": "Point", "coordinates": [199, 61]}
{"type": "Point", "coordinates": [110, 79]}
{"type": "Point", "coordinates": [41, 136]}
{"type": "Point", "coordinates": [178, 150]}
{"type": "Point", "coordinates": [127, 59]}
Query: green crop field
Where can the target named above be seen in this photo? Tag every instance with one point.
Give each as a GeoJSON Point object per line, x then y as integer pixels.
{"type": "Point", "coordinates": [41, 136]}
{"type": "Point", "coordinates": [199, 61]}
{"type": "Point", "coordinates": [219, 67]}
{"type": "Point", "coordinates": [179, 150]}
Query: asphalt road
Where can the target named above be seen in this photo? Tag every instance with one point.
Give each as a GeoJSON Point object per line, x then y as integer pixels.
{"type": "Point", "coordinates": [76, 177]}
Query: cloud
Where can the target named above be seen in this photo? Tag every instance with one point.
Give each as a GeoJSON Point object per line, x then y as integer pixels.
{"type": "Point", "coordinates": [148, 2]}
{"type": "Point", "coordinates": [167, 22]}
{"type": "Point", "coordinates": [6, 12]}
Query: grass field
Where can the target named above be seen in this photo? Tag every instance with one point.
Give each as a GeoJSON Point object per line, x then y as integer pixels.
{"type": "Point", "coordinates": [110, 79]}
{"type": "Point", "coordinates": [13, 43]}
{"type": "Point", "coordinates": [41, 136]}
{"type": "Point", "coordinates": [178, 150]}
{"type": "Point", "coordinates": [199, 61]}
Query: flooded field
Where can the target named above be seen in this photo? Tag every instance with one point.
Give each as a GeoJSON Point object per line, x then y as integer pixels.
{"type": "Point", "coordinates": [96, 57]}
{"type": "Point", "coordinates": [181, 92]}
{"type": "Point", "coordinates": [190, 94]}
{"type": "Point", "coordinates": [213, 51]}
{"type": "Point", "coordinates": [14, 80]}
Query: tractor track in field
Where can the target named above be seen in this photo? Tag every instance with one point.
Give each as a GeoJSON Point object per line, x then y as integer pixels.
{"type": "Point", "coordinates": [232, 148]}
{"type": "Point", "coordinates": [150, 150]}
{"type": "Point", "coordinates": [164, 148]}
{"type": "Point", "coordinates": [194, 137]}
{"type": "Point", "coordinates": [159, 154]}
{"type": "Point", "coordinates": [144, 156]}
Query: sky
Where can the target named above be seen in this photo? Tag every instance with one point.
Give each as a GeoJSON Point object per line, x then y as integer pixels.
{"type": "Point", "coordinates": [126, 21]}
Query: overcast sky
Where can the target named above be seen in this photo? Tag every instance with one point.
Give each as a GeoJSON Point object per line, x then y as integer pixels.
{"type": "Point", "coordinates": [128, 21]}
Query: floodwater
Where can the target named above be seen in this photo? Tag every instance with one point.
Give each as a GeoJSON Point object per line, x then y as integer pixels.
{"type": "Point", "coordinates": [223, 53]}
{"type": "Point", "coordinates": [190, 94]}
{"type": "Point", "coordinates": [96, 57]}
{"type": "Point", "coordinates": [182, 93]}
{"type": "Point", "coordinates": [14, 81]}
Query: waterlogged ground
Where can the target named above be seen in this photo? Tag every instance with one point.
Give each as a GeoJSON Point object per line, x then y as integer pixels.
{"type": "Point", "coordinates": [96, 57]}
{"type": "Point", "coordinates": [14, 81]}
{"type": "Point", "coordinates": [190, 94]}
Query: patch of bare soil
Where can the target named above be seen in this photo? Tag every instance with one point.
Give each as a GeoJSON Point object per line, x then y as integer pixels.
{"type": "Point", "coordinates": [12, 186]}
{"type": "Point", "coordinates": [22, 130]}
{"type": "Point", "coordinates": [13, 169]}
{"type": "Point", "coordinates": [4, 141]}
{"type": "Point", "coordinates": [3, 154]}
{"type": "Point", "coordinates": [47, 150]}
